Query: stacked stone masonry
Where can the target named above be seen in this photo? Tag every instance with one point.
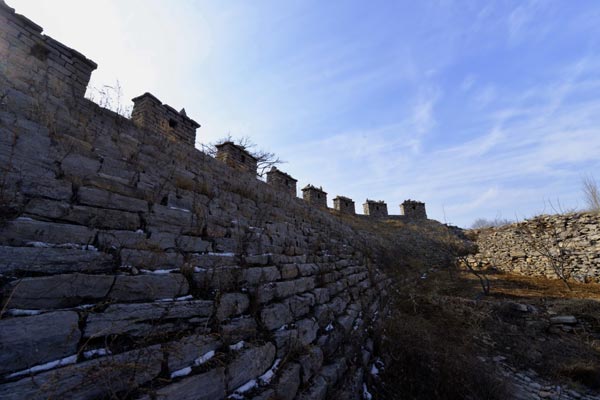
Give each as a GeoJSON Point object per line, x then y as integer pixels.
{"type": "Point", "coordinates": [134, 266]}
{"type": "Point", "coordinates": [568, 244]}
{"type": "Point", "coordinates": [315, 196]}
{"type": "Point", "coordinates": [282, 181]}
{"type": "Point", "coordinates": [236, 157]}
{"type": "Point", "coordinates": [375, 208]}
{"type": "Point", "coordinates": [149, 113]}
{"type": "Point", "coordinates": [344, 205]}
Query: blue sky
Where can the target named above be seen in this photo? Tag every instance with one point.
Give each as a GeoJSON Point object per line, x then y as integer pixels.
{"type": "Point", "coordinates": [479, 109]}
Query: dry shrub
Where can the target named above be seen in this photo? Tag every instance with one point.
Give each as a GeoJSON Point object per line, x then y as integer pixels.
{"type": "Point", "coordinates": [431, 353]}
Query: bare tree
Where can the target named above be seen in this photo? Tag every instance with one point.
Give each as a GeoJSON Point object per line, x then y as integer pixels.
{"type": "Point", "coordinates": [481, 223]}
{"type": "Point", "coordinates": [591, 193]}
{"type": "Point", "coordinates": [264, 159]}
{"type": "Point", "coordinates": [548, 241]}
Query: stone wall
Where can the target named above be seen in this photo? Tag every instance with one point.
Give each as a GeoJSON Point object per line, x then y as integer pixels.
{"type": "Point", "coordinates": [133, 266]}
{"type": "Point", "coordinates": [375, 208]}
{"type": "Point", "coordinates": [537, 247]}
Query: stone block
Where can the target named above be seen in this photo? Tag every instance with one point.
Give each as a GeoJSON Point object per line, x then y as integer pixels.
{"type": "Point", "coordinates": [231, 304]}
{"type": "Point", "coordinates": [58, 291]}
{"type": "Point", "coordinates": [250, 364]}
{"type": "Point", "coordinates": [142, 319]}
{"type": "Point", "coordinates": [29, 341]}
{"type": "Point", "coordinates": [207, 386]}
{"type": "Point", "coordinates": [289, 382]}
{"type": "Point", "coordinates": [22, 231]}
{"type": "Point", "coordinates": [148, 287]}
{"type": "Point", "coordinates": [183, 352]}
{"type": "Point", "coordinates": [255, 276]}
{"type": "Point", "coordinates": [307, 331]}
{"type": "Point", "coordinates": [310, 363]}
{"type": "Point", "coordinates": [237, 329]}
{"type": "Point", "coordinates": [275, 315]}
{"type": "Point", "coordinates": [99, 378]}
{"type": "Point", "coordinates": [105, 199]}
{"type": "Point", "coordinates": [52, 260]}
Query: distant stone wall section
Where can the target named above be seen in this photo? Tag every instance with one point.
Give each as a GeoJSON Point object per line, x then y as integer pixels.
{"type": "Point", "coordinates": [344, 205]}
{"type": "Point", "coordinates": [149, 113]}
{"type": "Point", "coordinates": [282, 181]}
{"type": "Point", "coordinates": [315, 196]}
{"type": "Point", "coordinates": [413, 209]}
{"type": "Point", "coordinates": [236, 157]}
{"type": "Point", "coordinates": [375, 208]}
{"type": "Point", "coordinates": [512, 248]}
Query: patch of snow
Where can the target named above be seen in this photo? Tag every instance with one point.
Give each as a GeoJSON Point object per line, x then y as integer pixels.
{"type": "Point", "coordinates": [329, 328]}
{"type": "Point", "coordinates": [15, 312]}
{"type": "Point", "coordinates": [265, 378]}
{"type": "Point", "coordinates": [200, 269]}
{"type": "Point", "coordinates": [182, 372]}
{"type": "Point", "coordinates": [182, 298]}
{"type": "Point", "coordinates": [85, 306]}
{"type": "Point", "coordinates": [180, 209]}
{"type": "Point", "coordinates": [246, 387]}
{"type": "Point", "coordinates": [366, 394]}
{"type": "Point", "coordinates": [158, 271]}
{"type": "Point", "coordinates": [204, 358]}
{"type": "Point", "coordinates": [38, 244]}
{"type": "Point", "coordinates": [221, 254]}
{"type": "Point", "coordinates": [374, 370]}
{"type": "Point", "coordinates": [282, 328]}
{"type": "Point", "coordinates": [140, 232]}
{"type": "Point", "coordinates": [237, 346]}
{"type": "Point", "coordinates": [44, 367]}
{"type": "Point", "coordinates": [24, 219]}
{"type": "Point", "coordinates": [96, 352]}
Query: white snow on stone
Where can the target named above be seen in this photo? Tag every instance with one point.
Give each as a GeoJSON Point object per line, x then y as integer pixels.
{"type": "Point", "coordinates": [96, 352]}
{"type": "Point", "coordinates": [265, 378]}
{"type": "Point", "coordinates": [44, 367]}
{"type": "Point", "coordinates": [204, 358]}
{"type": "Point", "coordinates": [15, 312]}
{"type": "Point", "coordinates": [140, 231]}
{"type": "Point", "coordinates": [158, 271]}
{"type": "Point", "coordinates": [237, 346]}
{"type": "Point", "coordinates": [24, 219]}
{"type": "Point", "coordinates": [182, 372]}
{"type": "Point", "coordinates": [366, 394]}
{"type": "Point", "coordinates": [182, 298]}
{"type": "Point", "coordinates": [374, 370]}
{"type": "Point", "coordinates": [85, 306]}
{"type": "Point", "coordinates": [221, 254]}
{"type": "Point", "coordinates": [38, 244]}
{"type": "Point", "coordinates": [74, 246]}
{"type": "Point", "coordinates": [282, 328]}
{"type": "Point", "coordinates": [246, 387]}
{"type": "Point", "coordinates": [180, 209]}
{"type": "Point", "coordinates": [200, 269]}
{"type": "Point", "coordinates": [329, 328]}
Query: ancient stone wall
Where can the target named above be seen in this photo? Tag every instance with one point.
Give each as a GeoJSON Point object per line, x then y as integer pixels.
{"type": "Point", "coordinates": [344, 205]}
{"type": "Point", "coordinates": [133, 266]}
{"type": "Point", "coordinates": [546, 246]}
{"type": "Point", "coordinates": [314, 196]}
{"type": "Point", "coordinates": [375, 208]}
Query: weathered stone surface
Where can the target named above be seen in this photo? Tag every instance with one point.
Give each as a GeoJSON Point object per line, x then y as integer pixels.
{"type": "Point", "coordinates": [238, 329]}
{"type": "Point", "coordinates": [563, 319]}
{"type": "Point", "coordinates": [311, 362]}
{"type": "Point", "coordinates": [102, 198]}
{"type": "Point", "coordinates": [148, 287]}
{"type": "Point", "coordinates": [307, 331]}
{"type": "Point", "coordinates": [289, 382]}
{"type": "Point", "coordinates": [52, 261]}
{"type": "Point", "coordinates": [223, 278]}
{"type": "Point", "coordinates": [254, 276]}
{"type": "Point", "coordinates": [28, 341]}
{"type": "Point", "coordinates": [317, 390]}
{"type": "Point", "coordinates": [23, 231]}
{"type": "Point", "coordinates": [231, 304]}
{"type": "Point", "coordinates": [182, 353]}
{"type": "Point", "coordinates": [275, 315]}
{"type": "Point", "coordinates": [58, 291]}
{"type": "Point", "coordinates": [207, 386]}
{"type": "Point", "coordinates": [99, 378]}
{"type": "Point", "coordinates": [140, 319]}
{"type": "Point", "coordinates": [249, 365]}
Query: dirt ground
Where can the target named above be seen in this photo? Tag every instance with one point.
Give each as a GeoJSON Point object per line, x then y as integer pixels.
{"type": "Point", "coordinates": [443, 335]}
